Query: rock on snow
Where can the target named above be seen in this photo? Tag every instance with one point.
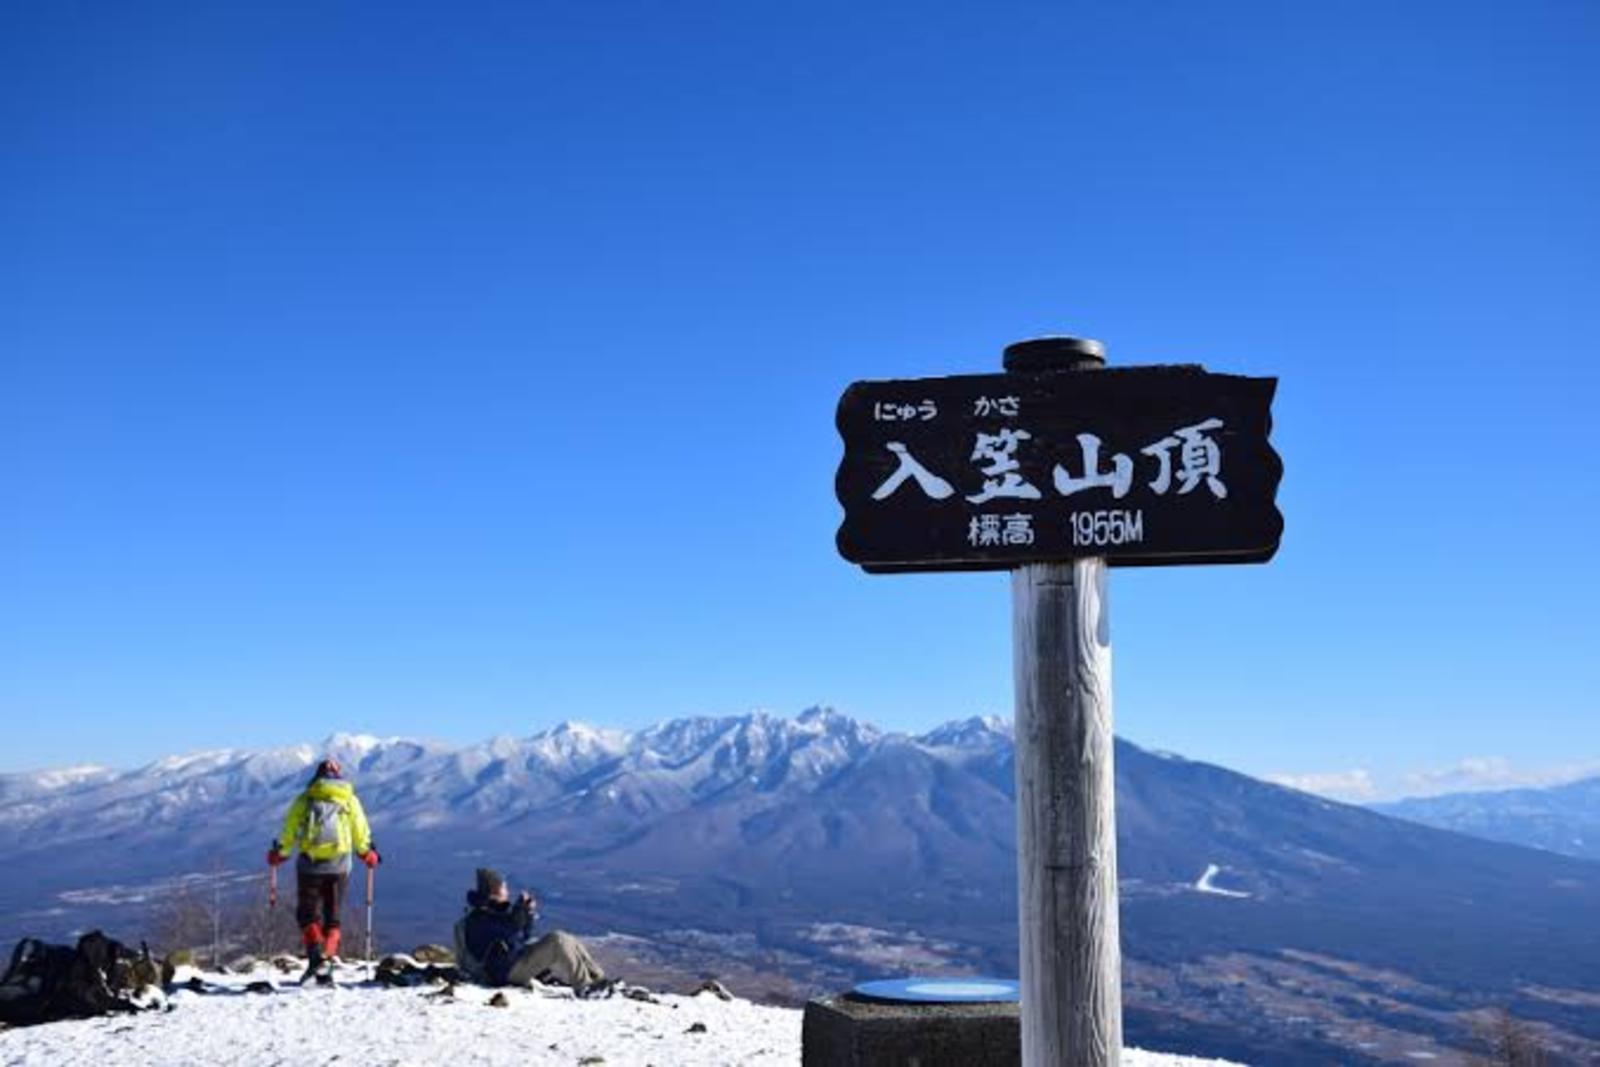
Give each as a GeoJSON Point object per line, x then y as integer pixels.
{"type": "Point", "coordinates": [373, 1025]}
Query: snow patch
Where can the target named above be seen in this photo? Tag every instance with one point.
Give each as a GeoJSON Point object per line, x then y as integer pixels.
{"type": "Point", "coordinates": [882, 949]}
{"type": "Point", "coordinates": [193, 760]}
{"type": "Point", "coordinates": [357, 744]}
{"type": "Point", "coordinates": [1206, 884]}
{"type": "Point", "coordinates": [152, 891]}
{"type": "Point", "coordinates": [69, 776]}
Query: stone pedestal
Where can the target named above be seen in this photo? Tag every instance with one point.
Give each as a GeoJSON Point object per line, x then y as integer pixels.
{"type": "Point", "coordinates": [846, 1032]}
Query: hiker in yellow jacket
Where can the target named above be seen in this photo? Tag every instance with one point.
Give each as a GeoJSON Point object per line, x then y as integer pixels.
{"type": "Point", "coordinates": [328, 825]}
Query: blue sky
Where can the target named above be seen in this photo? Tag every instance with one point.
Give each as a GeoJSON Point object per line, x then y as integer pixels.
{"type": "Point", "coordinates": [439, 371]}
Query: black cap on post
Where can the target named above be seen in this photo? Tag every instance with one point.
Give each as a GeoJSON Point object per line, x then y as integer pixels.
{"type": "Point", "coordinates": [1048, 355]}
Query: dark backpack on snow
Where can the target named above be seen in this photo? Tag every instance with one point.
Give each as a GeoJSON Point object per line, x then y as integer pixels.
{"type": "Point", "coordinates": [49, 982]}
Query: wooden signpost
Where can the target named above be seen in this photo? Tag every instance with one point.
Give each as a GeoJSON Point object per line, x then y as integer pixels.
{"type": "Point", "coordinates": [1053, 473]}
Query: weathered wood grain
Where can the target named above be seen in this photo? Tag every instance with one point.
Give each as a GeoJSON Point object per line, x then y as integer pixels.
{"type": "Point", "coordinates": [1071, 965]}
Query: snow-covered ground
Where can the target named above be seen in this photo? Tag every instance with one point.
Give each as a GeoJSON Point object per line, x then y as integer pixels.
{"type": "Point", "coordinates": [373, 1025]}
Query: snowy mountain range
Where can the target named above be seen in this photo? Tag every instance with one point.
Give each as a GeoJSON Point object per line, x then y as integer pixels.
{"type": "Point", "coordinates": [1260, 923]}
{"type": "Point", "coordinates": [412, 785]}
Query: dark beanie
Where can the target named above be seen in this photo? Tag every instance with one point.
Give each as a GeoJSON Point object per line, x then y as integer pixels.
{"type": "Point", "coordinates": [490, 881]}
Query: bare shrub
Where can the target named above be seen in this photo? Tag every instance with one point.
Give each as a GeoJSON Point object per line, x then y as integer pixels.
{"type": "Point", "coordinates": [212, 920]}
{"type": "Point", "coordinates": [186, 920]}
{"type": "Point", "coordinates": [262, 931]}
{"type": "Point", "coordinates": [1510, 1042]}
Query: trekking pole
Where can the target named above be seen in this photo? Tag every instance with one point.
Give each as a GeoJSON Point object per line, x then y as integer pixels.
{"type": "Point", "coordinates": [371, 877]}
{"type": "Point", "coordinates": [272, 887]}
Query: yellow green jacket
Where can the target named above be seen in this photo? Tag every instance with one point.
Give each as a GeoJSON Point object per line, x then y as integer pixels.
{"type": "Point", "coordinates": [326, 823]}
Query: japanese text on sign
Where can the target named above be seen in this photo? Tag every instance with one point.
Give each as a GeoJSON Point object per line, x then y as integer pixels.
{"type": "Point", "coordinates": [1144, 465]}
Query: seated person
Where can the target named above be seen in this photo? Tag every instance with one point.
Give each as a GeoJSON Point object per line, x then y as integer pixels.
{"type": "Point", "coordinates": [492, 942]}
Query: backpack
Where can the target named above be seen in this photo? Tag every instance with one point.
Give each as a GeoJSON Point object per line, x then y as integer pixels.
{"type": "Point", "coordinates": [325, 834]}
{"type": "Point", "coordinates": [48, 982]}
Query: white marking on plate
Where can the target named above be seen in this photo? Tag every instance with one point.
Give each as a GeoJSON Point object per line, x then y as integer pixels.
{"type": "Point", "coordinates": [960, 989]}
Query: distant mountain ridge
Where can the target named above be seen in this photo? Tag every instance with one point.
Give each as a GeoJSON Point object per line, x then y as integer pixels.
{"type": "Point", "coordinates": [1560, 818]}
{"type": "Point", "coordinates": [418, 784]}
{"type": "Point", "coordinates": [825, 849]}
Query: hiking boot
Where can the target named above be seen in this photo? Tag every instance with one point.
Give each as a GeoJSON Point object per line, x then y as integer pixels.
{"type": "Point", "coordinates": [316, 964]}
{"type": "Point", "coordinates": [596, 990]}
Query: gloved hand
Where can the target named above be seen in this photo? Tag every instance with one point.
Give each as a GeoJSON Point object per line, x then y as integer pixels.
{"type": "Point", "coordinates": [274, 856]}
{"type": "Point", "coordinates": [371, 858]}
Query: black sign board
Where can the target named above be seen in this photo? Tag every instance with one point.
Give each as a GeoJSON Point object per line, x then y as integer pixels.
{"type": "Point", "coordinates": [1142, 465]}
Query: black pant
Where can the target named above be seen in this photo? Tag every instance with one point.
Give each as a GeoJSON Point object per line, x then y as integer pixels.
{"type": "Point", "coordinates": [321, 896]}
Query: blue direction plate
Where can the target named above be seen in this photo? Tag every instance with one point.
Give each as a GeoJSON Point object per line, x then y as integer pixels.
{"type": "Point", "coordinates": [940, 990]}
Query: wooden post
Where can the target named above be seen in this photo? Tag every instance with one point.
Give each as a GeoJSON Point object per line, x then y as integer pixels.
{"type": "Point", "coordinates": [1071, 957]}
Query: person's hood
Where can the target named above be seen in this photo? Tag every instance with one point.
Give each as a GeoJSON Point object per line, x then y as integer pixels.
{"type": "Point", "coordinates": [330, 789]}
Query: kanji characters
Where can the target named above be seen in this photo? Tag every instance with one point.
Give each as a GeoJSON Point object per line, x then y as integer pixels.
{"type": "Point", "coordinates": [1018, 530]}
{"type": "Point", "coordinates": [1198, 457]}
{"type": "Point", "coordinates": [930, 483]}
{"type": "Point", "coordinates": [999, 451]}
{"type": "Point", "coordinates": [1189, 456]}
{"type": "Point", "coordinates": [984, 531]}
{"type": "Point", "coordinates": [1118, 479]}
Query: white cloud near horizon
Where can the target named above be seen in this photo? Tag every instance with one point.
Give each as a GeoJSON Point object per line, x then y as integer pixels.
{"type": "Point", "coordinates": [1470, 774]}
{"type": "Point", "coordinates": [1478, 774]}
{"type": "Point", "coordinates": [1354, 786]}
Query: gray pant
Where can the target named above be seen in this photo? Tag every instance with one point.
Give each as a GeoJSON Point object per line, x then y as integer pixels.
{"type": "Point", "coordinates": [563, 956]}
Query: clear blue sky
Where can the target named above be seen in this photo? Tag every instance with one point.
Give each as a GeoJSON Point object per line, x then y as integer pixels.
{"type": "Point", "coordinates": [456, 370]}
